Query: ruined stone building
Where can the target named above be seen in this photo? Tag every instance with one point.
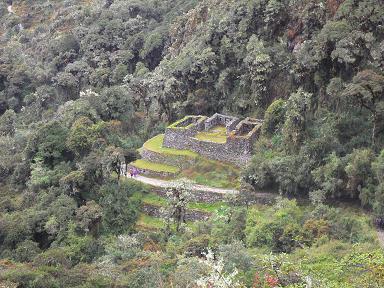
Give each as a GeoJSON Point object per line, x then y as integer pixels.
{"type": "Point", "coordinates": [220, 137]}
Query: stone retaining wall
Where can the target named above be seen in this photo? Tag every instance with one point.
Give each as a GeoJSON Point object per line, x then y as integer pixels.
{"type": "Point", "coordinates": [158, 212]}
{"type": "Point", "coordinates": [211, 197]}
{"type": "Point", "coordinates": [229, 122]}
{"type": "Point", "coordinates": [196, 196]}
{"type": "Point", "coordinates": [236, 152]}
{"type": "Point", "coordinates": [150, 173]}
{"type": "Point", "coordinates": [178, 138]}
{"type": "Point", "coordinates": [237, 149]}
{"type": "Point", "coordinates": [174, 160]}
{"type": "Point", "coordinates": [228, 152]}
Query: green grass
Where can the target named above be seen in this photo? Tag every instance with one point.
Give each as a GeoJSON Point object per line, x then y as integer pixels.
{"type": "Point", "coordinates": [156, 167]}
{"type": "Point", "coordinates": [148, 222]}
{"type": "Point", "coordinates": [213, 173]}
{"type": "Point", "coordinates": [174, 125]}
{"type": "Point", "coordinates": [152, 199]}
{"type": "Point", "coordinates": [156, 145]}
{"type": "Point", "coordinates": [205, 172]}
{"type": "Point", "coordinates": [156, 200]}
{"type": "Point", "coordinates": [217, 134]}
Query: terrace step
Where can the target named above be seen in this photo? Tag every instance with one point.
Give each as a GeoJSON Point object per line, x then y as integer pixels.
{"type": "Point", "coordinates": [154, 169]}
{"type": "Point", "coordinates": [203, 194]}
{"type": "Point", "coordinates": [154, 151]}
{"type": "Point", "coordinates": [159, 212]}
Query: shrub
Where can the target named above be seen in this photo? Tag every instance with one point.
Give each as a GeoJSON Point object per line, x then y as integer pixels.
{"type": "Point", "coordinates": [274, 117]}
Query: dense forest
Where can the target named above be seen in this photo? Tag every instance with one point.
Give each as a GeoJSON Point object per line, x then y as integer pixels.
{"type": "Point", "coordinates": [83, 84]}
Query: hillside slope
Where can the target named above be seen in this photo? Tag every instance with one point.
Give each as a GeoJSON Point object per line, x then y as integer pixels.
{"type": "Point", "coordinates": [84, 84]}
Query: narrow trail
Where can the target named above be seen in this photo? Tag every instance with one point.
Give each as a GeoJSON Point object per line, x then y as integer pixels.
{"type": "Point", "coordinates": [195, 187]}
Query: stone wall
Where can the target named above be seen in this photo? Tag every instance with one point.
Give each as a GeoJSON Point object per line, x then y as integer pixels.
{"type": "Point", "coordinates": [234, 151]}
{"type": "Point", "coordinates": [174, 160]}
{"type": "Point", "coordinates": [219, 119]}
{"type": "Point", "coordinates": [237, 149]}
{"type": "Point", "coordinates": [178, 138]}
{"type": "Point", "coordinates": [158, 212]}
{"type": "Point", "coordinates": [212, 197]}
{"type": "Point", "coordinates": [150, 173]}
{"type": "Point", "coordinates": [196, 196]}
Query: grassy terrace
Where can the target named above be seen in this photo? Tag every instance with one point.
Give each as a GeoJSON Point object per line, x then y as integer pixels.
{"type": "Point", "coordinates": [205, 172]}
{"type": "Point", "coordinates": [156, 145]}
{"type": "Point", "coordinates": [213, 173]}
{"type": "Point", "coordinates": [176, 124]}
{"type": "Point", "coordinates": [146, 222]}
{"type": "Point", "coordinates": [156, 200]}
{"type": "Point", "coordinates": [217, 134]}
{"type": "Point", "coordinates": [156, 167]}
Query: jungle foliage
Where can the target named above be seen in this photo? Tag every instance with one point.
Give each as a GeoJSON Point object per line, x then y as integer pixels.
{"type": "Point", "coordinates": [83, 84]}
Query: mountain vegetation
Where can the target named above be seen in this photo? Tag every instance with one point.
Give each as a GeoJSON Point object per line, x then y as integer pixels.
{"type": "Point", "coordinates": [84, 84]}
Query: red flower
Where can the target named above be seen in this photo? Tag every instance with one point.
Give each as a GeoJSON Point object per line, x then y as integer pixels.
{"type": "Point", "coordinates": [271, 281]}
{"type": "Point", "coordinates": [256, 281]}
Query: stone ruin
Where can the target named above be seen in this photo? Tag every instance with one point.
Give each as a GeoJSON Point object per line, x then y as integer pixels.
{"type": "Point", "coordinates": [240, 137]}
{"type": "Point", "coordinates": [229, 122]}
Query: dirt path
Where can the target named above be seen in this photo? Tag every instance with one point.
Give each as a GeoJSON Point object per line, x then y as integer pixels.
{"type": "Point", "coordinates": [198, 188]}
{"type": "Point", "coordinates": [195, 187]}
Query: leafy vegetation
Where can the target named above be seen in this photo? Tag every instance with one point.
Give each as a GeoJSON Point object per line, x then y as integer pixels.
{"type": "Point", "coordinates": [213, 173]}
{"type": "Point", "coordinates": [83, 84]}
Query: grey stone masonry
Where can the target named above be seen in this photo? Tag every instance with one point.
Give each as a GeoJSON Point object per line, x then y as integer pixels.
{"type": "Point", "coordinates": [238, 147]}
{"type": "Point", "coordinates": [149, 173]}
{"type": "Point", "coordinates": [159, 212]}
{"type": "Point", "coordinates": [229, 122]}
{"type": "Point", "coordinates": [181, 162]}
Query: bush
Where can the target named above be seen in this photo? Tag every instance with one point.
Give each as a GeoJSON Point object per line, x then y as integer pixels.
{"type": "Point", "coordinates": [274, 117]}
{"type": "Point", "coordinates": [120, 212]}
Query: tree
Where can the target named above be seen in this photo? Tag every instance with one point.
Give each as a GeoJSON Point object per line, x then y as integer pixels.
{"type": "Point", "coordinates": [81, 136]}
{"type": "Point", "coordinates": [330, 177]}
{"type": "Point", "coordinates": [116, 103]}
{"type": "Point", "coordinates": [298, 106]}
{"type": "Point", "coordinates": [119, 210]}
{"type": "Point", "coordinates": [217, 277]}
{"type": "Point", "coordinates": [73, 182]}
{"type": "Point", "coordinates": [378, 169]}
{"type": "Point", "coordinates": [113, 161]}
{"type": "Point", "coordinates": [7, 123]}
{"type": "Point", "coordinates": [259, 65]}
{"type": "Point", "coordinates": [274, 117]}
{"type": "Point", "coordinates": [48, 143]}
{"type": "Point", "coordinates": [360, 175]}
{"type": "Point", "coordinates": [67, 84]}
{"type": "Point", "coordinates": [178, 197]}
{"type": "Point", "coordinates": [89, 217]}
{"type": "Point", "coordinates": [367, 91]}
